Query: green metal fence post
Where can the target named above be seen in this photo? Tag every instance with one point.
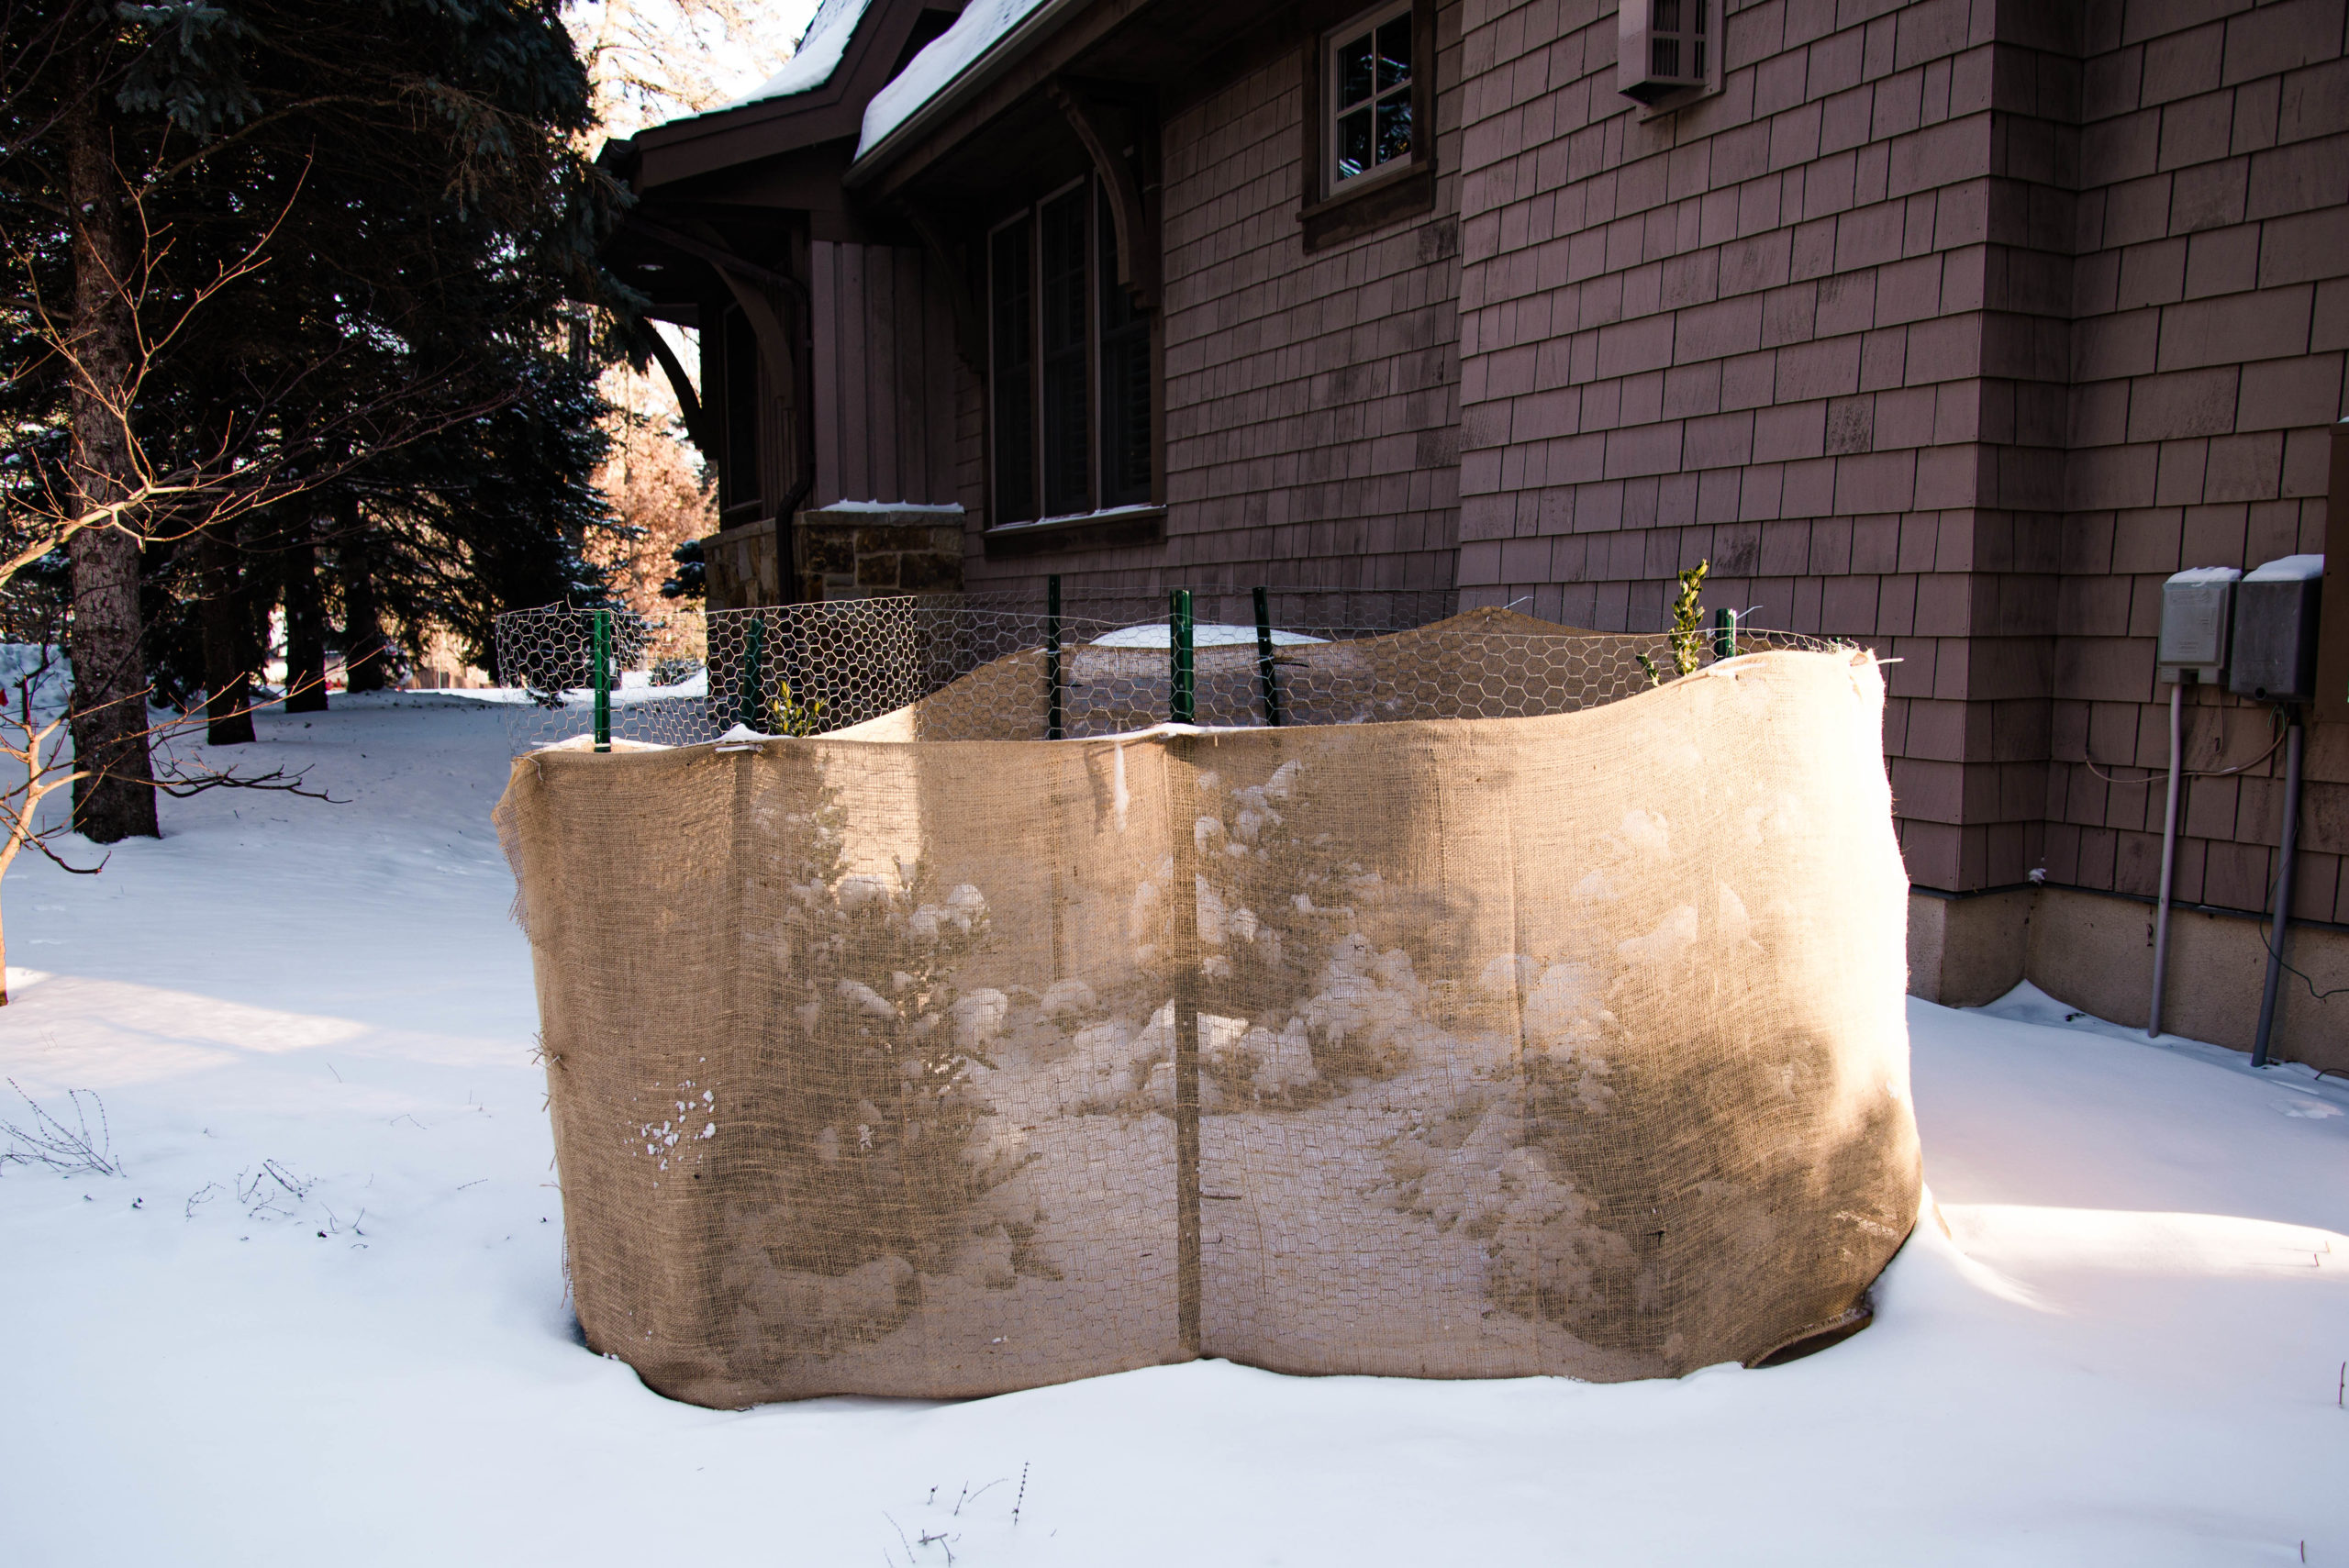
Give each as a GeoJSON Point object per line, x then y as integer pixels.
{"type": "Point", "coordinates": [1724, 634]}
{"type": "Point", "coordinates": [754, 675]}
{"type": "Point", "coordinates": [1052, 658]}
{"type": "Point", "coordinates": [603, 655]}
{"type": "Point", "coordinates": [1267, 683]}
{"type": "Point", "coordinates": [1178, 639]}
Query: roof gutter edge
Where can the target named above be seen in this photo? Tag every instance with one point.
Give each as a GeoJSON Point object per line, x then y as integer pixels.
{"type": "Point", "coordinates": [1000, 56]}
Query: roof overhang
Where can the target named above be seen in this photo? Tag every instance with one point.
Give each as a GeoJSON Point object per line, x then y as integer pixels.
{"type": "Point", "coordinates": [985, 125]}
{"type": "Point", "coordinates": [680, 150]}
{"type": "Point", "coordinates": [999, 58]}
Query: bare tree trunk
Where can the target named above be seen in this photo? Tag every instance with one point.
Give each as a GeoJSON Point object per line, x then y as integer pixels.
{"type": "Point", "coordinates": [306, 618]}
{"type": "Point", "coordinates": [365, 656]}
{"type": "Point", "coordinates": [227, 676]}
{"type": "Point", "coordinates": [117, 800]}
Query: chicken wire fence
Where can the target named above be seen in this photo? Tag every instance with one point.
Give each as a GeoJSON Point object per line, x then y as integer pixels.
{"type": "Point", "coordinates": [1571, 1045]}
{"type": "Point", "coordinates": [1078, 663]}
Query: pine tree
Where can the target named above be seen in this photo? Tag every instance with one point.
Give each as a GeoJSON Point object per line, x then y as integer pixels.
{"type": "Point", "coordinates": [409, 173]}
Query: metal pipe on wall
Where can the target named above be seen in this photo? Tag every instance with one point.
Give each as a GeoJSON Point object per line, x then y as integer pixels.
{"type": "Point", "coordinates": [2169, 854]}
{"type": "Point", "coordinates": [2283, 890]}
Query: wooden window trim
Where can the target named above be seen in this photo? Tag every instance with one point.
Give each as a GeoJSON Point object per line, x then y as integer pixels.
{"type": "Point", "coordinates": [1368, 202]}
{"type": "Point", "coordinates": [1121, 528]}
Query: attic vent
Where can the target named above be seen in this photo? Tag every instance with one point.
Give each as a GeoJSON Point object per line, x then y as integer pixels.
{"type": "Point", "coordinates": [1664, 46]}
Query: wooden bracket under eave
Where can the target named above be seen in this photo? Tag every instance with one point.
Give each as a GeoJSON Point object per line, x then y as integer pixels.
{"type": "Point", "coordinates": [1137, 235]}
{"type": "Point", "coordinates": [688, 402]}
{"type": "Point", "coordinates": [970, 341]}
{"type": "Point", "coordinates": [753, 287]}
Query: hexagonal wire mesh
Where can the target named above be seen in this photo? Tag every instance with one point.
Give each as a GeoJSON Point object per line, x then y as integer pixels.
{"type": "Point", "coordinates": [1081, 662]}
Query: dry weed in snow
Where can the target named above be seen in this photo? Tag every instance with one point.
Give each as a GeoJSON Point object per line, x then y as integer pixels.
{"type": "Point", "coordinates": [49, 1142]}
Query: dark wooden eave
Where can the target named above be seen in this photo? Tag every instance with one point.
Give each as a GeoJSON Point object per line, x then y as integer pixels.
{"type": "Point", "coordinates": [723, 140]}
{"type": "Point", "coordinates": [999, 128]}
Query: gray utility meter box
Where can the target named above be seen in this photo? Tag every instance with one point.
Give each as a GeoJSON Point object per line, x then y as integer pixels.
{"type": "Point", "coordinates": [2197, 607]}
{"type": "Point", "coordinates": [2274, 657]}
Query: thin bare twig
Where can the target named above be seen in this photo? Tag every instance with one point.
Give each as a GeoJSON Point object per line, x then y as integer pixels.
{"type": "Point", "coordinates": [50, 1143]}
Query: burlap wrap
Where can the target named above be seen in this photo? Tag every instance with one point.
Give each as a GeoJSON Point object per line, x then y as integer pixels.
{"type": "Point", "coordinates": [1444, 1048]}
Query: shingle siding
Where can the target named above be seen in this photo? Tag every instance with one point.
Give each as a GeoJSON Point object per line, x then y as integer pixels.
{"type": "Point", "coordinates": [1311, 399]}
{"type": "Point", "coordinates": [1949, 328]}
{"type": "Point", "coordinates": [2210, 239]}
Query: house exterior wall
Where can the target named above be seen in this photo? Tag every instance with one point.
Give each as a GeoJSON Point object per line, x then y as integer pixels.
{"type": "Point", "coordinates": [1897, 330]}
{"type": "Point", "coordinates": [1754, 332]}
{"type": "Point", "coordinates": [884, 352]}
{"type": "Point", "coordinates": [1952, 327]}
{"type": "Point", "coordinates": [1948, 326]}
{"type": "Point", "coordinates": [2211, 313]}
{"type": "Point", "coordinates": [1310, 398]}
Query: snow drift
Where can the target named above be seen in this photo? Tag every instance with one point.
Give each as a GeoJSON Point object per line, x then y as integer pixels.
{"type": "Point", "coordinates": [1565, 1044]}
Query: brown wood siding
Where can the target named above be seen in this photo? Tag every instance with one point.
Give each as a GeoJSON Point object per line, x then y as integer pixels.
{"type": "Point", "coordinates": [885, 372]}
{"type": "Point", "coordinates": [1753, 332]}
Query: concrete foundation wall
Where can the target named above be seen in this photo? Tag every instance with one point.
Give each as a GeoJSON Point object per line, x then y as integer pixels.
{"type": "Point", "coordinates": [1965, 951]}
{"type": "Point", "coordinates": [2096, 951]}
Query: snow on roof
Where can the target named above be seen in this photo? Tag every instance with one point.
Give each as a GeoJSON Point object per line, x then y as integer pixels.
{"type": "Point", "coordinates": [816, 55]}
{"type": "Point", "coordinates": [982, 24]}
{"type": "Point", "coordinates": [2288, 569]}
{"type": "Point", "coordinates": [2196, 575]}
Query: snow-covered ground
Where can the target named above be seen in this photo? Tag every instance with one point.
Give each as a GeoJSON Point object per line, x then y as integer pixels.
{"type": "Point", "coordinates": [320, 1318]}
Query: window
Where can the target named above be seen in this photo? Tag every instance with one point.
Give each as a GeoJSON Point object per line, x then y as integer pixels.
{"type": "Point", "coordinates": [1369, 78]}
{"type": "Point", "coordinates": [1369, 124]}
{"type": "Point", "coordinates": [1011, 354]}
{"type": "Point", "coordinates": [1125, 379]}
{"type": "Point", "coordinates": [1069, 363]}
{"type": "Point", "coordinates": [739, 349]}
{"type": "Point", "coordinates": [1063, 321]}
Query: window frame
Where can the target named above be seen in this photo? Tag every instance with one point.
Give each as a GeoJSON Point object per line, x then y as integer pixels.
{"type": "Point", "coordinates": [741, 481]}
{"type": "Point", "coordinates": [1097, 391]}
{"type": "Point", "coordinates": [1334, 111]}
{"type": "Point", "coordinates": [1331, 210]}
